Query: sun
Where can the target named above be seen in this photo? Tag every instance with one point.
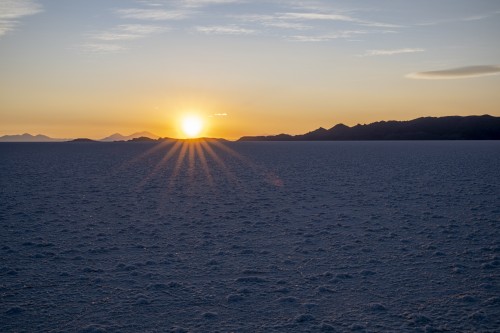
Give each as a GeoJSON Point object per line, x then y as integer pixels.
{"type": "Point", "coordinates": [192, 126]}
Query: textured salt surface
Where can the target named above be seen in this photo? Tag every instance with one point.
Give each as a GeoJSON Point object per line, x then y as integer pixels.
{"type": "Point", "coordinates": [319, 237]}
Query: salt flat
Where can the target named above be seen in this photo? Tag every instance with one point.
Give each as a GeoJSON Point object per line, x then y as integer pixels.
{"type": "Point", "coordinates": [250, 237]}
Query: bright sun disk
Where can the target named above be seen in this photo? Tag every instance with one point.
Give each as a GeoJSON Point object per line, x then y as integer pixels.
{"type": "Point", "coordinates": [192, 126]}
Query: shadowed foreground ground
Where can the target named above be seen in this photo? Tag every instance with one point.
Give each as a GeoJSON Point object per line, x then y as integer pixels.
{"type": "Point", "coordinates": [257, 237]}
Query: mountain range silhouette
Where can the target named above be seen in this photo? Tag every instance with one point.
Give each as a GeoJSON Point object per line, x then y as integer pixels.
{"type": "Point", "coordinates": [483, 127]}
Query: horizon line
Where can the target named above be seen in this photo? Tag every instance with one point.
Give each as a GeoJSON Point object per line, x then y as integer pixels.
{"type": "Point", "coordinates": [149, 136]}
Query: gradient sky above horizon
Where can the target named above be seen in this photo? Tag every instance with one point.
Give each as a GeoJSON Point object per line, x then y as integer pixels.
{"type": "Point", "coordinates": [90, 68]}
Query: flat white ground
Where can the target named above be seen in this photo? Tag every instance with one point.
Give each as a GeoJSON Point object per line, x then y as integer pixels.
{"type": "Point", "coordinates": [250, 237]}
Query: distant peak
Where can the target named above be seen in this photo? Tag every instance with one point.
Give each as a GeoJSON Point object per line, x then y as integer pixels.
{"type": "Point", "coordinates": [339, 126]}
{"type": "Point", "coordinates": [319, 130]}
{"type": "Point", "coordinates": [120, 137]}
{"type": "Point", "coordinates": [26, 137]}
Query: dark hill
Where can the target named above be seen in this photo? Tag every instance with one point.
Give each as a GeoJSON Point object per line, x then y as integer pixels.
{"type": "Point", "coordinates": [26, 137]}
{"type": "Point", "coordinates": [83, 140]}
{"type": "Point", "coordinates": [142, 139]}
{"type": "Point", "coordinates": [429, 128]}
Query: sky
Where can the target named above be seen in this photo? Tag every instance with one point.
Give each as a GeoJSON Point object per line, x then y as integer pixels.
{"type": "Point", "coordinates": [90, 68]}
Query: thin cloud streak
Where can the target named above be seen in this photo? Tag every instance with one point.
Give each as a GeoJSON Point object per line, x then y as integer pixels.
{"type": "Point", "coordinates": [187, 3]}
{"type": "Point", "coordinates": [218, 115]}
{"type": "Point", "coordinates": [317, 16]}
{"type": "Point", "coordinates": [287, 25]}
{"type": "Point", "coordinates": [225, 30]}
{"type": "Point", "coordinates": [336, 17]}
{"type": "Point", "coordinates": [346, 35]}
{"type": "Point", "coordinates": [322, 38]}
{"type": "Point", "coordinates": [128, 32]}
{"type": "Point", "coordinates": [471, 18]}
{"type": "Point", "coordinates": [102, 48]}
{"type": "Point", "coordinates": [202, 3]}
{"type": "Point", "coordinates": [151, 14]}
{"type": "Point", "coordinates": [7, 26]}
{"type": "Point", "coordinates": [142, 29]}
{"type": "Point", "coordinates": [371, 53]}
{"type": "Point", "coordinates": [272, 21]}
{"type": "Point", "coordinates": [111, 41]}
{"type": "Point", "coordinates": [13, 10]}
{"type": "Point", "coordinates": [457, 73]}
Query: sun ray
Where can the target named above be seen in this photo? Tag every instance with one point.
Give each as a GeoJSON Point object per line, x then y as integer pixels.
{"type": "Point", "coordinates": [160, 164]}
{"type": "Point", "coordinates": [270, 176]}
{"type": "Point", "coordinates": [204, 164]}
{"type": "Point", "coordinates": [162, 145]}
{"type": "Point", "coordinates": [194, 157]}
{"type": "Point", "coordinates": [129, 163]}
{"type": "Point", "coordinates": [178, 165]}
{"type": "Point", "coordinates": [206, 146]}
{"type": "Point", "coordinates": [191, 161]}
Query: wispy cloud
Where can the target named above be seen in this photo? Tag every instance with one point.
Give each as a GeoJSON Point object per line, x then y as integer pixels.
{"type": "Point", "coordinates": [201, 3]}
{"type": "Point", "coordinates": [6, 26]}
{"type": "Point", "coordinates": [317, 16]}
{"type": "Point", "coordinates": [149, 3]}
{"type": "Point", "coordinates": [336, 17]}
{"type": "Point", "coordinates": [272, 21]}
{"type": "Point", "coordinates": [13, 10]}
{"type": "Point", "coordinates": [102, 47]}
{"type": "Point", "coordinates": [286, 19]}
{"type": "Point", "coordinates": [457, 73]}
{"type": "Point", "coordinates": [287, 25]}
{"type": "Point", "coordinates": [114, 40]}
{"type": "Point", "coordinates": [470, 18]}
{"type": "Point", "coordinates": [128, 32]}
{"type": "Point", "coordinates": [371, 53]}
{"type": "Point", "coordinates": [111, 41]}
{"type": "Point", "coordinates": [225, 30]}
{"type": "Point", "coordinates": [346, 34]}
{"type": "Point", "coordinates": [186, 3]}
{"type": "Point", "coordinates": [379, 24]}
{"type": "Point", "coordinates": [218, 115]}
{"type": "Point", "coordinates": [156, 14]}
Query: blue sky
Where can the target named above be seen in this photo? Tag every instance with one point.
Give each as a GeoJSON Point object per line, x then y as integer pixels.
{"type": "Point", "coordinates": [95, 66]}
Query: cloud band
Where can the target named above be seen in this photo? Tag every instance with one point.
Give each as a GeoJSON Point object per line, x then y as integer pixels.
{"type": "Point", "coordinates": [457, 73]}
